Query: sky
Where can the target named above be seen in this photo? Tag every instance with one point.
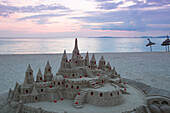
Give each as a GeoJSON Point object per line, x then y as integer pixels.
{"type": "Point", "coordinates": [84, 18]}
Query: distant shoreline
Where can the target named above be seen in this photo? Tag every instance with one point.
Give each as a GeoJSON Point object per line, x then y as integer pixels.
{"type": "Point", "coordinates": [82, 37]}
{"type": "Point", "coordinates": [130, 37]}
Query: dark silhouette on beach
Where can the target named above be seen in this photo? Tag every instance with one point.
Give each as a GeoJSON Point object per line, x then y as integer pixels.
{"type": "Point", "coordinates": [166, 43]}
{"type": "Point", "coordinates": [150, 44]}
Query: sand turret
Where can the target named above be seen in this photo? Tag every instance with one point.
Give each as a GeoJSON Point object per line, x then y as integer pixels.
{"type": "Point", "coordinates": [10, 95]}
{"type": "Point", "coordinates": [108, 66]}
{"type": "Point", "coordinates": [64, 57]}
{"type": "Point", "coordinates": [64, 61]}
{"type": "Point", "coordinates": [25, 88]}
{"type": "Point", "coordinates": [39, 77]}
{"type": "Point", "coordinates": [87, 59]}
{"type": "Point", "coordinates": [29, 75]}
{"type": "Point", "coordinates": [114, 73]}
{"type": "Point", "coordinates": [48, 72]}
{"type": "Point", "coordinates": [76, 50]}
{"type": "Point", "coordinates": [16, 93]}
{"type": "Point", "coordinates": [34, 94]}
{"type": "Point", "coordinates": [93, 62]}
{"type": "Point", "coordinates": [102, 63]}
{"type": "Point", "coordinates": [76, 55]}
{"type": "Point", "coordinates": [25, 84]}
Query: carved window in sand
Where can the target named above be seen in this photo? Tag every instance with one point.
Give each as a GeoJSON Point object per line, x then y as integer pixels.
{"type": "Point", "coordinates": [66, 86]}
{"type": "Point", "coordinates": [165, 102]}
{"type": "Point", "coordinates": [36, 98]}
{"type": "Point", "coordinates": [49, 70]}
{"type": "Point", "coordinates": [41, 90]}
{"type": "Point", "coordinates": [155, 102]}
{"type": "Point", "coordinates": [77, 87]}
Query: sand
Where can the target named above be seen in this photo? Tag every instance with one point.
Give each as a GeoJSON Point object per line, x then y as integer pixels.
{"type": "Point", "coordinates": [150, 68]}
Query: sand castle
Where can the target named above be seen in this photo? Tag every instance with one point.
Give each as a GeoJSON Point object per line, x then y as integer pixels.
{"type": "Point", "coordinates": [79, 79]}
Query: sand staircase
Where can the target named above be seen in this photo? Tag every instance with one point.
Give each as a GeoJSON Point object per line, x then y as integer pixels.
{"type": "Point", "coordinates": [94, 84]}
{"type": "Point", "coordinates": [79, 99]}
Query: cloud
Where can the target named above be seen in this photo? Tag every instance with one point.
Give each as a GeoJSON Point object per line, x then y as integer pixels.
{"type": "Point", "coordinates": [40, 16]}
{"type": "Point", "coordinates": [131, 4]}
{"type": "Point", "coordinates": [159, 1]}
{"type": "Point", "coordinates": [109, 6]}
{"type": "Point", "coordinates": [42, 8]}
{"type": "Point", "coordinates": [133, 20]}
{"type": "Point", "coordinates": [42, 21]}
{"type": "Point", "coordinates": [107, 17]}
{"type": "Point", "coordinates": [102, 0]}
{"type": "Point", "coordinates": [149, 3]}
{"type": "Point", "coordinates": [7, 10]}
{"type": "Point", "coordinates": [133, 23]}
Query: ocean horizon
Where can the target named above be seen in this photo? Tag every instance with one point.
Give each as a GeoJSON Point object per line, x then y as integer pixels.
{"type": "Point", "coordinates": [92, 45]}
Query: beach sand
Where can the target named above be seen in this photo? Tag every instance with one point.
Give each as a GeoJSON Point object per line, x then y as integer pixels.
{"type": "Point", "coordinates": [149, 68]}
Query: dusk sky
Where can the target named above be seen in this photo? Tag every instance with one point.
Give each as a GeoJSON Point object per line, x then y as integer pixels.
{"type": "Point", "coordinates": [84, 18]}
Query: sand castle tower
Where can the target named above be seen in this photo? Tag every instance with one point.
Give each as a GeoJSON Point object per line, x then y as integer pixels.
{"type": "Point", "coordinates": [39, 77]}
{"type": "Point", "coordinates": [16, 93]}
{"type": "Point", "coordinates": [114, 73]}
{"type": "Point", "coordinates": [64, 61]}
{"type": "Point", "coordinates": [25, 89]}
{"type": "Point", "coordinates": [87, 59]}
{"type": "Point", "coordinates": [29, 75]}
{"type": "Point", "coordinates": [102, 63]}
{"type": "Point", "coordinates": [76, 57]}
{"type": "Point", "coordinates": [48, 72]}
{"type": "Point", "coordinates": [10, 95]}
{"type": "Point", "coordinates": [34, 94]}
{"type": "Point", "coordinates": [75, 54]}
{"type": "Point", "coordinates": [108, 66]}
{"type": "Point", "coordinates": [93, 62]}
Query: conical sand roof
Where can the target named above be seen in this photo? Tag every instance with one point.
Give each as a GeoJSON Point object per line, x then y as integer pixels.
{"type": "Point", "coordinates": [29, 68]}
{"type": "Point", "coordinates": [34, 91]}
{"type": "Point", "coordinates": [48, 64]}
{"type": "Point", "coordinates": [108, 64]}
{"type": "Point", "coordinates": [64, 55]}
{"type": "Point", "coordinates": [102, 58]}
{"type": "Point", "coordinates": [87, 56]}
{"type": "Point", "coordinates": [76, 44]}
{"type": "Point", "coordinates": [25, 84]}
{"type": "Point", "coordinates": [93, 58]}
{"type": "Point", "coordinates": [39, 73]}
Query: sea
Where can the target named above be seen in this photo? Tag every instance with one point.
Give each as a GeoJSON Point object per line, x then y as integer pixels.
{"type": "Point", "coordinates": [93, 45]}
